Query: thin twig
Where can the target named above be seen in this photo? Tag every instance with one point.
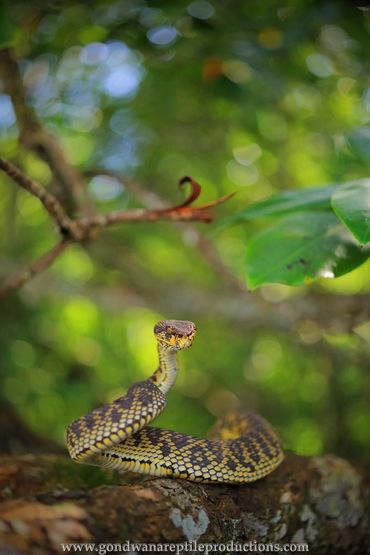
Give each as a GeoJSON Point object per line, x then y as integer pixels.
{"type": "Point", "coordinates": [142, 215]}
{"type": "Point", "coordinates": [206, 248]}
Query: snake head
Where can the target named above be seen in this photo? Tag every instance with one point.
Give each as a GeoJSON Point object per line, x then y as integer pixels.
{"type": "Point", "coordinates": [174, 335]}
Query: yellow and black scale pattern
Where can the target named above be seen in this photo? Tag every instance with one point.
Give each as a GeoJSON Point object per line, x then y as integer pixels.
{"type": "Point", "coordinates": [241, 448]}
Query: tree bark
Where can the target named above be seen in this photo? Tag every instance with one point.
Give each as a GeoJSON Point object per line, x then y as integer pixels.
{"type": "Point", "coordinates": [47, 500]}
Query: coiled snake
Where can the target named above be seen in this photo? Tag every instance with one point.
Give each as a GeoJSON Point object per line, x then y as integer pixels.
{"type": "Point", "coordinates": [241, 448]}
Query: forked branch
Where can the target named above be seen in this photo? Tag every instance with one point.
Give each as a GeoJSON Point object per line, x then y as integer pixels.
{"type": "Point", "coordinates": [85, 228]}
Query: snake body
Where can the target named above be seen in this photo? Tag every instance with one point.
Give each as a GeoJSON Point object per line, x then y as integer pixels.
{"type": "Point", "coordinates": [241, 448]}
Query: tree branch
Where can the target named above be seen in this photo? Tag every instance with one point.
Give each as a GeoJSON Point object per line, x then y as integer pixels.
{"type": "Point", "coordinates": [49, 201]}
{"type": "Point", "coordinates": [35, 137]}
{"type": "Point", "coordinates": [336, 314]}
{"type": "Point", "coordinates": [48, 500]}
{"type": "Point", "coordinates": [199, 214]}
{"type": "Point", "coordinates": [191, 235]}
{"type": "Point", "coordinates": [78, 230]}
{"type": "Point", "coordinates": [44, 262]}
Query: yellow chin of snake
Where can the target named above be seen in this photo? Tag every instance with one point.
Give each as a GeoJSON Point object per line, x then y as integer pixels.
{"type": "Point", "coordinates": [175, 342]}
{"type": "Point", "coordinates": [174, 335]}
{"type": "Point", "coordinates": [242, 448]}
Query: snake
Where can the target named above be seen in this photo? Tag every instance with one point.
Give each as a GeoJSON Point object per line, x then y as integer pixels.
{"type": "Point", "coordinates": [242, 447]}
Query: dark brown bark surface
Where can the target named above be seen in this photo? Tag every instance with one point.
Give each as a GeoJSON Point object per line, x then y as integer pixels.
{"type": "Point", "coordinates": [47, 500]}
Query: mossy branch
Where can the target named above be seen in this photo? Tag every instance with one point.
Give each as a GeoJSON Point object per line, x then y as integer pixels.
{"type": "Point", "coordinates": [48, 500]}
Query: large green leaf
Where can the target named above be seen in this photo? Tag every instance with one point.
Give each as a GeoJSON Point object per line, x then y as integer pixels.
{"type": "Point", "coordinates": [359, 142]}
{"type": "Point", "coordinates": [299, 248]}
{"type": "Point", "coordinates": [286, 202]}
{"type": "Point", "coordinates": [351, 203]}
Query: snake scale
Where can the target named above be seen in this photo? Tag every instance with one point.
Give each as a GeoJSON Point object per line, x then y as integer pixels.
{"type": "Point", "coordinates": [241, 448]}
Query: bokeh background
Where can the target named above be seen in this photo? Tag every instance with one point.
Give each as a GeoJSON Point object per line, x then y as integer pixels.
{"type": "Point", "coordinates": [253, 97]}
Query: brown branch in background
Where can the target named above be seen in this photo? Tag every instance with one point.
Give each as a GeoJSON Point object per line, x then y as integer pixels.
{"type": "Point", "coordinates": [35, 137]}
{"type": "Point", "coordinates": [44, 262]}
{"type": "Point", "coordinates": [178, 213]}
{"type": "Point", "coordinates": [323, 313]}
{"type": "Point", "coordinates": [50, 202]}
{"type": "Point", "coordinates": [189, 235]}
{"type": "Point", "coordinates": [85, 228]}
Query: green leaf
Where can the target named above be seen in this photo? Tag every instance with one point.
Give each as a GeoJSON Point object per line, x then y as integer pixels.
{"type": "Point", "coordinates": [351, 203]}
{"type": "Point", "coordinates": [300, 248]}
{"type": "Point", "coordinates": [286, 202]}
{"type": "Point", "coordinates": [359, 142]}
{"type": "Point", "coordinates": [355, 256]}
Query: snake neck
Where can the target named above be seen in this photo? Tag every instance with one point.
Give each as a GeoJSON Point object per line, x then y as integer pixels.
{"type": "Point", "coordinates": [166, 372]}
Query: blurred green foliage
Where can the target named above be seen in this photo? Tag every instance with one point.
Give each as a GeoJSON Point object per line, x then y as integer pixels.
{"type": "Point", "coordinates": [248, 96]}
